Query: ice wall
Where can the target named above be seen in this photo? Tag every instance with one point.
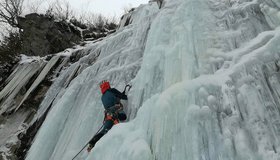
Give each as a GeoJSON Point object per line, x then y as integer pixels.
{"type": "Point", "coordinates": [10, 97]}
{"type": "Point", "coordinates": [32, 76]}
{"type": "Point", "coordinates": [76, 111]}
{"type": "Point", "coordinates": [207, 88]}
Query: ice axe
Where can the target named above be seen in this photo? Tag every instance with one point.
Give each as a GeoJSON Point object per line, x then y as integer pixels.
{"type": "Point", "coordinates": [129, 86]}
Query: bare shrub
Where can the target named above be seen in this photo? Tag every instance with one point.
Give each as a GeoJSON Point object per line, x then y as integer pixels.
{"type": "Point", "coordinates": [60, 10]}
{"type": "Point", "coordinates": [10, 10]}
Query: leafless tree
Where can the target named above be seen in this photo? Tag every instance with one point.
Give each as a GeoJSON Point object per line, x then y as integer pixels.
{"type": "Point", "coordinates": [10, 10]}
{"type": "Point", "coordinates": [94, 20]}
{"type": "Point", "coordinates": [34, 6]}
{"type": "Point", "coordinates": [61, 10]}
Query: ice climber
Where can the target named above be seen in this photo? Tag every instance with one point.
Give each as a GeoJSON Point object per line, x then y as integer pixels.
{"type": "Point", "coordinates": [113, 110]}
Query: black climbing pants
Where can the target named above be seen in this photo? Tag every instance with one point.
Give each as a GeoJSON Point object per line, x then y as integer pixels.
{"type": "Point", "coordinates": [108, 124]}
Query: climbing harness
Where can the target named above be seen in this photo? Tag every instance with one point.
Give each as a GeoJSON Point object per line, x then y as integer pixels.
{"type": "Point", "coordinates": [110, 114]}
{"type": "Point", "coordinates": [111, 117]}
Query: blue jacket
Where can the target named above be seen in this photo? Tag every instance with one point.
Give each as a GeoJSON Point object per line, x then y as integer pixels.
{"type": "Point", "coordinates": [111, 97]}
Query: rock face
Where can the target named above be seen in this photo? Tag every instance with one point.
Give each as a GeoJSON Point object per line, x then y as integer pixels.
{"type": "Point", "coordinates": [16, 129]}
{"type": "Point", "coordinates": [5, 71]}
{"type": "Point", "coordinates": [43, 35]}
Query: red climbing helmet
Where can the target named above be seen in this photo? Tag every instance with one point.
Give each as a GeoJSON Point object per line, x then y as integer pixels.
{"type": "Point", "coordinates": [104, 85]}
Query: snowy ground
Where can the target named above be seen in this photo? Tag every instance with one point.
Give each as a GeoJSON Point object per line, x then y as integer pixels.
{"type": "Point", "coordinates": [205, 76]}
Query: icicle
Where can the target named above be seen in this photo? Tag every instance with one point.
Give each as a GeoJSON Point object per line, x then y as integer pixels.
{"type": "Point", "coordinates": [17, 81]}
{"type": "Point", "coordinates": [39, 79]}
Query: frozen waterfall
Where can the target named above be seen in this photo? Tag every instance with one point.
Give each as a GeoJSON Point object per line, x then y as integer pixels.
{"type": "Point", "coordinates": [205, 76]}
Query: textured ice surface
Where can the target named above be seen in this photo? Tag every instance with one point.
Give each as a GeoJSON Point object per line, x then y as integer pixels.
{"type": "Point", "coordinates": [29, 68]}
{"type": "Point", "coordinates": [77, 111]}
{"type": "Point", "coordinates": [16, 81]}
{"type": "Point", "coordinates": [207, 86]}
{"type": "Point", "coordinates": [40, 78]}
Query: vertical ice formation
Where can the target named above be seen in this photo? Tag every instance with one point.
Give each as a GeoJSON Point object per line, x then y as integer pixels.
{"type": "Point", "coordinates": [23, 83]}
{"type": "Point", "coordinates": [76, 111]}
{"type": "Point", "coordinates": [207, 88]}
{"type": "Point", "coordinates": [272, 13]}
{"type": "Point", "coordinates": [40, 78]}
{"type": "Point", "coordinates": [25, 78]}
{"type": "Point", "coordinates": [16, 81]}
